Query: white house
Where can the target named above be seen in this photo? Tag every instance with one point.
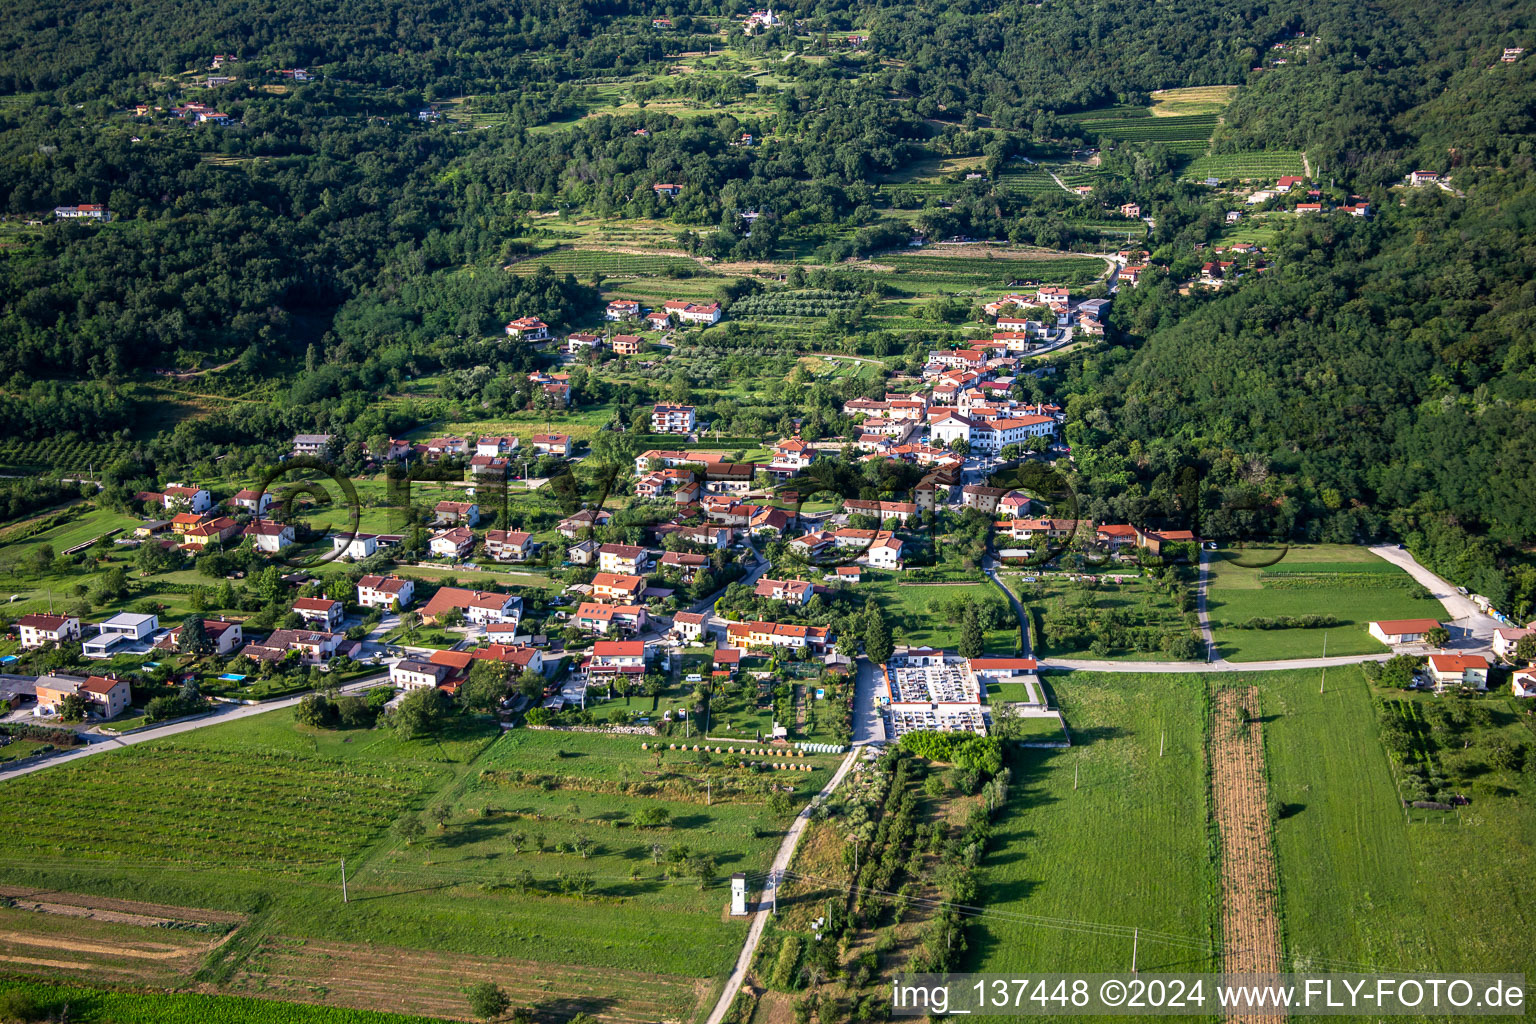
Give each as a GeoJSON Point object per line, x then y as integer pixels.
{"type": "Point", "coordinates": [193, 499]}
{"type": "Point", "coordinates": [508, 545]}
{"type": "Point", "coordinates": [1393, 632]}
{"type": "Point", "coordinates": [252, 501]}
{"type": "Point", "coordinates": [672, 419]}
{"type": "Point", "coordinates": [384, 591]}
{"type": "Point", "coordinates": [124, 626]}
{"type": "Point", "coordinates": [1505, 638]}
{"type": "Point", "coordinates": [1523, 682]}
{"type": "Point", "coordinates": [418, 674]}
{"type": "Point", "coordinates": [42, 630]}
{"type": "Point", "coordinates": [528, 328]}
{"type": "Point", "coordinates": [269, 536]}
{"type": "Point", "coordinates": [319, 612]}
{"type": "Point", "coordinates": [454, 543]}
{"type": "Point", "coordinates": [1459, 670]}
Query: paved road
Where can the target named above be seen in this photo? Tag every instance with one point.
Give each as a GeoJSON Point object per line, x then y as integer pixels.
{"type": "Point", "coordinates": [222, 714]}
{"type": "Point", "coordinates": [1018, 609]}
{"type": "Point", "coordinates": [1473, 628]}
{"type": "Point", "coordinates": [775, 874]}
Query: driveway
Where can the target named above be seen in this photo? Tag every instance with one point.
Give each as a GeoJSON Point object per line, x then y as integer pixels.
{"type": "Point", "coordinates": [221, 714]}
{"type": "Point", "coordinates": [868, 723]}
{"type": "Point", "coordinates": [775, 875]}
{"type": "Point", "coordinates": [1471, 628]}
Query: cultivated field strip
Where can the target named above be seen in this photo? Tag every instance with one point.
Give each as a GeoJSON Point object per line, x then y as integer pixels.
{"type": "Point", "coordinates": [256, 807]}
{"type": "Point", "coordinates": [1250, 922]}
{"type": "Point", "coordinates": [433, 983]}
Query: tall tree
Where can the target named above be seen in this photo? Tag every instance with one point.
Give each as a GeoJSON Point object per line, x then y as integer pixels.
{"type": "Point", "coordinates": [973, 639]}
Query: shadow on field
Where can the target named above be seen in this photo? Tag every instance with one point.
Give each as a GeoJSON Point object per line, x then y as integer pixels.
{"type": "Point", "coordinates": [564, 1009]}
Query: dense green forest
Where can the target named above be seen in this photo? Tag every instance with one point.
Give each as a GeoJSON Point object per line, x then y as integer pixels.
{"type": "Point", "coordinates": [1376, 381]}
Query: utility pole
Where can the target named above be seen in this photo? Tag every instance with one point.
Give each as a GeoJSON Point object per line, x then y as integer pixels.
{"type": "Point", "coordinates": [1135, 941]}
{"type": "Point", "coordinates": [343, 879]}
{"type": "Point", "coordinates": [1075, 769]}
{"type": "Point", "coordinates": [1162, 742]}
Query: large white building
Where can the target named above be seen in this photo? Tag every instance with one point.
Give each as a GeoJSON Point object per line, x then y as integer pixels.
{"type": "Point", "coordinates": [672, 419]}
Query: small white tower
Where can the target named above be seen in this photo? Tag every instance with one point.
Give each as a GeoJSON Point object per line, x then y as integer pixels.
{"type": "Point", "coordinates": [738, 895]}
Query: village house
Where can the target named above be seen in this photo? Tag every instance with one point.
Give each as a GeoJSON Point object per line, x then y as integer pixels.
{"type": "Point", "coordinates": [551, 444]}
{"type": "Point", "coordinates": [454, 543]}
{"type": "Point", "coordinates": [362, 545]}
{"type": "Point", "coordinates": [616, 658]}
{"type": "Point", "coordinates": [85, 211]}
{"type": "Point", "coordinates": [622, 558]}
{"type": "Point", "coordinates": [1470, 670]}
{"type": "Point", "coordinates": [980, 496]}
{"type": "Point", "coordinates": [685, 565]}
{"type": "Point", "coordinates": [319, 612]}
{"type": "Point", "coordinates": [191, 499]}
{"type": "Point", "coordinates": [452, 513]}
{"type": "Point", "coordinates": [1505, 638]}
{"type": "Point", "coordinates": [773, 634]}
{"type": "Point", "coordinates": [601, 618]}
{"type": "Point", "coordinates": [622, 309]}
{"type": "Point", "coordinates": [120, 628]}
{"type": "Point", "coordinates": [385, 592]}
{"type": "Point", "coordinates": [582, 553]}
{"type": "Point", "coordinates": [39, 630]}
{"type": "Point", "coordinates": [508, 545]}
{"type": "Point", "coordinates": [528, 328]}
{"type": "Point", "coordinates": [626, 344]}
{"type": "Point", "coordinates": [248, 500]}
{"type": "Point", "coordinates": [269, 536]}
{"type": "Point", "coordinates": [497, 444]}
{"type": "Point", "coordinates": [1130, 210]}
{"type": "Point", "coordinates": [658, 320]}
{"type": "Point", "coordinates": [792, 592]}
{"type": "Point", "coordinates": [1152, 541]}
{"type": "Point", "coordinates": [881, 548]}
{"type": "Point", "coordinates": [885, 511]}
{"type": "Point", "coordinates": [666, 189]}
{"type": "Point", "coordinates": [1418, 178]}
{"type": "Point", "coordinates": [582, 522]}
{"type": "Point", "coordinates": [227, 637]}
{"type": "Point", "coordinates": [1394, 632]}
{"type": "Point", "coordinates": [728, 478]}
{"type": "Point", "coordinates": [314, 647]}
{"type": "Point", "coordinates": [415, 673]}
{"type": "Point", "coordinates": [689, 625]}
{"type": "Point", "coordinates": [1115, 536]}
{"type": "Point", "coordinates": [309, 444]}
{"type": "Point", "coordinates": [479, 607]}
{"type": "Point", "coordinates": [726, 662]}
{"type": "Point", "coordinates": [575, 344]}
{"type": "Point", "coordinates": [1522, 682]}
{"type": "Point", "coordinates": [693, 312]}
{"type": "Point", "coordinates": [613, 588]}
{"type": "Point", "coordinates": [105, 696]}
{"type": "Point", "coordinates": [209, 533]}
{"type": "Point", "coordinates": [672, 419]}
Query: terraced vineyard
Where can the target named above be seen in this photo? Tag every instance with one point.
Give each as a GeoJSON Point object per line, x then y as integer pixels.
{"type": "Point", "coordinates": [1188, 134]}
{"type": "Point", "coordinates": [981, 272]}
{"type": "Point", "coordinates": [1267, 165]}
{"type": "Point", "coordinates": [584, 262]}
{"type": "Point", "coordinates": [61, 453]}
{"type": "Point", "coordinates": [1029, 181]}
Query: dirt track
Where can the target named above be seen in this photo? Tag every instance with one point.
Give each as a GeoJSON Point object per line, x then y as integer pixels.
{"type": "Point", "coordinates": [1250, 925]}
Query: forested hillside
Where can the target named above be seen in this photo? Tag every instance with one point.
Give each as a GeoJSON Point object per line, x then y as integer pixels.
{"type": "Point", "coordinates": [348, 229]}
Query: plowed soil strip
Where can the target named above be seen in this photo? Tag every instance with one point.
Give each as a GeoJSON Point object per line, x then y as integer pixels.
{"type": "Point", "coordinates": [414, 981]}
{"type": "Point", "coordinates": [1250, 925]}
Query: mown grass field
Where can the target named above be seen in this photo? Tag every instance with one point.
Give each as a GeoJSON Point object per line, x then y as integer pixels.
{"type": "Point", "coordinates": [1364, 889]}
{"type": "Point", "coordinates": [916, 613]}
{"type": "Point", "coordinates": [1347, 582]}
{"type": "Point", "coordinates": [1126, 847]}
